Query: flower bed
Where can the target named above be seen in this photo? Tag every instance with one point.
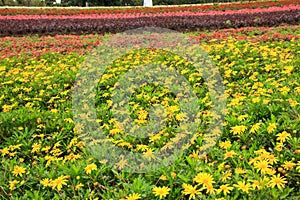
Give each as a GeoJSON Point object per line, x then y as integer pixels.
{"type": "Point", "coordinates": [181, 21]}
{"type": "Point", "coordinates": [257, 155]}
{"type": "Point", "coordinates": [136, 10]}
{"type": "Point", "coordinates": [35, 46]}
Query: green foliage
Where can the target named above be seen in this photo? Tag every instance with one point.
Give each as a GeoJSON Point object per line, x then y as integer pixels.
{"type": "Point", "coordinates": [261, 124]}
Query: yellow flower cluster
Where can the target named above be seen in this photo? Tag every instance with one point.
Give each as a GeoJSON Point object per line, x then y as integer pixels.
{"type": "Point", "coordinates": [55, 183]}
{"type": "Point", "coordinates": [258, 151]}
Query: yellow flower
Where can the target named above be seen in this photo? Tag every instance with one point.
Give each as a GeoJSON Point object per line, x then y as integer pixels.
{"type": "Point", "coordinates": [46, 182]}
{"type": "Point", "coordinates": [35, 147]}
{"type": "Point", "coordinates": [266, 101]}
{"type": "Point", "coordinates": [173, 109]}
{"type": "Point", "coordinates": [277, 181]}
{"type": "Point", "coordinates": [293, 103]}
{"type": "Point", "coordinates": [149, 154]}
{"type": "Point", "coordinates": [6, 108]}
{"type": "Point", "coordinates": [255, 128]}
{"type": "Point", "coordinates": [240, 171]}
{"type": "Point", "coordinates": [256, 184]}
{"type": "Point", "coordinates": [12, 184]}
{"type": "Point", "coordinates": [204, 178]}
{"type": "Point", "coordinates": [161, 191]}
{"type": "Point", "coordinates": [271, 127]}
{"type": "Point", "coordinates": [115, 131]}
{"type": "Point", "coordinates": [142, 114]}
{"type": "Point", "coordinates": [163, 177]}
{"type": "Point", "coordinates": [272, 159]}
{"type": "Point", "coordinates": [14, 147]}
{"type": "Point", "coordinates": [69, 120]}
{"type": "Point", "coordinates": [59, 182]}
{"type": "Point", "coordinates": [265, 155]}
{"type": "Point", "coordinates": [229, 154]}
{"type": "Point", "coordinates": [4, 151]}
{"type": "Point", "coordinates": [238, 129]}
{"type": "Point", "coordinates": [181, 117]}
{"type": "Point", "coordinates": [77, 187]}
{"type": "Point", "coordinates": [18, 170]}
{"type": "Point", "coordinates": [226, 175]}
{"type": "Point", "coordinates": [279, 146]}
{"type": "Point", "coordinates": [283, 136]}
{"type": "Point", "coordinates": [194, 154]}
{"type": "Point", "coordinates": [173, 175]}
{"type": "Point", "coordinates": [46, 149]}
{"type": "Point", "coordinates": [242, 186]}
{"type": "Point", "coordinates": [39, 120]}
{"type": "Point", "coordinates": [141, 147]}
{"type": "Point", "coordinates": [190, 190]}
{"type": "Point", "coordinates": [256, 100]}
{"type": "Point", "coordinates": [209, 189]}
{"type": "Point", "coordinates": [287, 70]}
{"type": "Point", "coordinates": [288, 165]}
{"type": "Point", "coordinates": [262, 166]}
{"type": "Point", "coordinates": [154, 138]}
{"type": "Point", "coordinates": [72, 157]}
{"type": "Point", "coordinates": [284, 90]}
{"type": "Point", "coordinates": [242, 117]}
{"type": "Point", "coordinates": [270, 171]}
{"type": "Point", "coordinates": [225, 189]}
{"type": "Point", "coordinates": [12, 154]}
{"type": "Point", "coordinates": [225, 144]}
{"type": "Point", "coordinates": [88, 169]}
{"type": "Point", "coordinates": [221, 166]}
{"type": "Point", "coordinates": [297, 90]}
{"type": "Point", "coordinates": [54, 110]}
{"type": "Point", "coordinates": [133, 196]}
{"type": "Point", "coordinates": [260, 151]}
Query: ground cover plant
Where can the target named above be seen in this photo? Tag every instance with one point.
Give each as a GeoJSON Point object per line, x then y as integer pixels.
{"type": "Point", "coordinates": [257, 155]}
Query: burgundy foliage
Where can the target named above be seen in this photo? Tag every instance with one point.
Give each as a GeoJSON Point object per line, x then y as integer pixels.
{"type": "Point", "coordinates": [179, 22]}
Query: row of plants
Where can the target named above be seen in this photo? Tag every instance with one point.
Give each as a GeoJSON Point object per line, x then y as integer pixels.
{"type": "Point", "coordinates": [256, 157]}
{"type": "Point", "coordinates": [184, 13]}
{"type": "Point", "coordinates": [124, 10]}
{"type": "Point", "coordinates": [180, 21]}
{"type": "Point", "coordinates": [35, 46]}
{"type": "Point", "coordinates": [253, 34]}
{"type": "Point", "coordinates": [65, 3]}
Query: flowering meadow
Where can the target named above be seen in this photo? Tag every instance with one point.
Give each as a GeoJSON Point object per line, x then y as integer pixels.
{"type": "Point", "coordinates": [257, 154]}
